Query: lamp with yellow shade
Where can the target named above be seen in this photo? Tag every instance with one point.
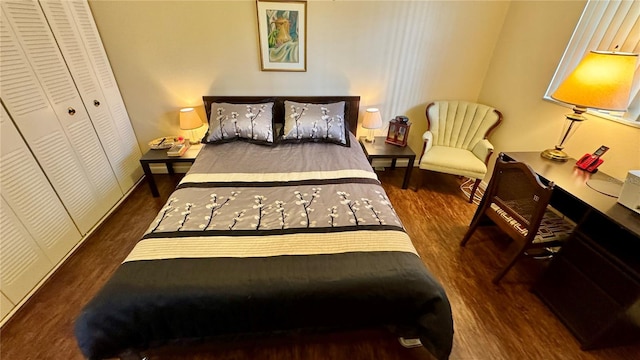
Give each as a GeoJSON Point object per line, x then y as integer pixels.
{"type": "Point", "coordinates": [190, 120]}
{"type": "Point", "coordinates": [602, 80]}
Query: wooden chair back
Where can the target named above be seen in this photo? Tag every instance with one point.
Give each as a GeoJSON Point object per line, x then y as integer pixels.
{"type": "Point", "coordinates": [517, 190]}
{"type": "Point", "coordinates": [515, 201]}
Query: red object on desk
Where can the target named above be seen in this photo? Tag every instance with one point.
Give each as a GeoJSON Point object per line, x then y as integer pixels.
{"type": "Point", "coordinates": [590, 162]}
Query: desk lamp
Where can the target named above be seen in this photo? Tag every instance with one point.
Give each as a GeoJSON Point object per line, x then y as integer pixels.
{"type": "Point", "coordinates": [372, 120]}
{"type": "Point", "coordinates": [189, 120]}
{"type": "Point", "coordinates": [603, 81]}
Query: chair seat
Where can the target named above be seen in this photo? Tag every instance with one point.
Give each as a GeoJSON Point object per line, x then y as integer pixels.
{"type": "Point", "coordinates": [453, 161]}
{"type": "Point", "coordinates": [553, 228]}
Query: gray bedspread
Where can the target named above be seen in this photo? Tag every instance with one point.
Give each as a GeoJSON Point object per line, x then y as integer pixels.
{"type": "Point", "coordinates": [262, 239]}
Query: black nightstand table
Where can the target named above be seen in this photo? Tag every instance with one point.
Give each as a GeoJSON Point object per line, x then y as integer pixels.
{"type": "Point", "coordinates": [160, 157]}
{"type": "Point", "coordinates": [381, 150]}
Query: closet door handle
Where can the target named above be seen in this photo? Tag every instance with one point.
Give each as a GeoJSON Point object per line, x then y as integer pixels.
{"type": "Point", "coordinates": [72, 111]}
{"type": "Point", "coordinates": [96, 103]}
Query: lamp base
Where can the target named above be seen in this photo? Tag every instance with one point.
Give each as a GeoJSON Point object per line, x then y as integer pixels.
{"type": "Point", "coordinates": [555, 154]}
{"type": "Point", "coordinates": [193, 140]}
{"type": "Point", "coordinates": [370, 136]}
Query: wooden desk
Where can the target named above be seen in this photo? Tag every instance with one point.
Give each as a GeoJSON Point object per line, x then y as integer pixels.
{"type": "Point", "coordinates": [593, 284]}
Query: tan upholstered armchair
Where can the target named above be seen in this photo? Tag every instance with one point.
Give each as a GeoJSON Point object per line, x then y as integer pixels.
{"type": "Point", "coordinates": [456, 139]}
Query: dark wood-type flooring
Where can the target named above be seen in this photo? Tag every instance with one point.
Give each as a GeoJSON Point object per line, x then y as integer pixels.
{"type": "Point", "coordinates": [492, 322]}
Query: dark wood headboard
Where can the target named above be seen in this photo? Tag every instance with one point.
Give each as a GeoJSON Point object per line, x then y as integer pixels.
{"type": "Point", "coordinates": [351, 106]}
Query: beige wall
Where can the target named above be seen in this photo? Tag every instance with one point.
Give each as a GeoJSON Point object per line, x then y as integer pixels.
{"type": "Point", "coordinates": [531, 44]}
{"type": "Point", "coordinates": [396, 55]}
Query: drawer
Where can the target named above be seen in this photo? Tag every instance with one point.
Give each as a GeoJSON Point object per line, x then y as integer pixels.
{"type": "Point", "coordinates": [584, 308]}
{"type": "Point", "coordinates": [607, 275]}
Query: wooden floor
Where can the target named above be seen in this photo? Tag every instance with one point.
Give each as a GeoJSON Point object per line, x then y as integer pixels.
{"type": "Point", "coordinates": [491, 322]}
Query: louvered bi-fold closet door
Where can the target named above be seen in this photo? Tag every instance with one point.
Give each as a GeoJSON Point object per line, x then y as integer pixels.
{"type": "Point", "coordinates": [30, 195]}
{"type": "Point", "coordinates": [5, 306]}
{"type": "Point", "coordinates": [24, 264]}
{"type": "Point", "coordinates": [79, 41]}
{"type": "Point", "coordinates": [41, 97]}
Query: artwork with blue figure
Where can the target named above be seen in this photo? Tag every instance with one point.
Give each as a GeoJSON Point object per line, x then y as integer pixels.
{"type": "Point", "coordinates": [283, 36]}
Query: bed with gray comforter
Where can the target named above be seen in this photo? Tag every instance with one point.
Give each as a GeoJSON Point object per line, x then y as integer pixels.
{"type": "Point", "coordinates": [255, 239]}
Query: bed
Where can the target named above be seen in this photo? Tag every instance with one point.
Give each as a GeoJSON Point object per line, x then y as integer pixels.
{"type": "Point", "coordinates": [270, 231]}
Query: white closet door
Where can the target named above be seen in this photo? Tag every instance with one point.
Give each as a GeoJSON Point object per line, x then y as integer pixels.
{"type": "Point", "coordinates": [24, 98]}
{"type": "Point", "coordinates": [26, 189]}
{"type": "Point", "coordinates": [100, 62]}
{"type": "Point", "coordinates": [5, 306]}
{"type": "Point", "coordinates": [63, 140]}
{"type": "Point", "coordinates": [107, 112]}
{"type": "Point", "coordinates": [23, 263]}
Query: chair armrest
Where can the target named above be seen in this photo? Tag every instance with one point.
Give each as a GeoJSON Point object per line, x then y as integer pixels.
{"type": "Point", "coordinates": [427, 138]}
{"type": "Point", "coordinates": [483, 150]}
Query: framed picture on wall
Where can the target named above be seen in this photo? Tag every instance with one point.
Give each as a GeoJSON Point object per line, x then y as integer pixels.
{"type": "Point", "coordinates": [282, 33]}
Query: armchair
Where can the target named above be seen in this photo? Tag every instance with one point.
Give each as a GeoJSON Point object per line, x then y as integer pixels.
{"type": "Point", "coordinates": [456, 139]}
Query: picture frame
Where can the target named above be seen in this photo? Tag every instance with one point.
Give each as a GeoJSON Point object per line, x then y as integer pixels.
{"type": "Point", "coordinates": [282, 34]}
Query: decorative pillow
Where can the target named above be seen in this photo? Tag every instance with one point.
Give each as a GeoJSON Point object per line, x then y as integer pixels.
{"type": "Point", "coordinates": [251, 122]}
{"type": "Point", "coordinates": [315, 122]}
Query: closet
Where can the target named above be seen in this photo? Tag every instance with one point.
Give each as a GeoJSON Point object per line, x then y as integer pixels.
{"type": "Point", "coordinates": [69, 152]}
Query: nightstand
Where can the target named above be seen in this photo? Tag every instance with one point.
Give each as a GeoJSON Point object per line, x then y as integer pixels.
{"type": "Point", "coordinates": [160, 157]}
{"type": "Point", "coordinates": [381, 150]}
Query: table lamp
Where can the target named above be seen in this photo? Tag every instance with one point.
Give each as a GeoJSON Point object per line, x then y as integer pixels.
{"type": "Point", "coordinates": [602, 80]}
{"type": "Point", "coordinates": [189, 120]}
{"type": "Point", "coordinates": [372, 120]}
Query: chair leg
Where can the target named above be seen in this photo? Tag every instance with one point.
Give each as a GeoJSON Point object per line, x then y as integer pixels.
{"type": "Point", "coordinates": [467, 235]}
{"type": "Point", "coordinates": [472, 228]}
{"type": "Point", "coordinates": [473, 190]}
{"type": "Point", "coordinates": [508, 266]}
{"type": "Point", "coordinates": [475, 222]}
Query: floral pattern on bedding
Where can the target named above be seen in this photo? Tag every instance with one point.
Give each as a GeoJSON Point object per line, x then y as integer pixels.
{"type": "Point", "coordinates": [265, 209]}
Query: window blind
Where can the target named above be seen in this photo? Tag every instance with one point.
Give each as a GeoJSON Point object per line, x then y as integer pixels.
{"type": "Point", "coordinates": [605, 26]}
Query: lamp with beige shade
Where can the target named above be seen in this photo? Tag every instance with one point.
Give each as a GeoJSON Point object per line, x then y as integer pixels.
{"type": "Point", "coordinates": [372, 120]}
{"type": "Point", "coordinates": [190, 120]}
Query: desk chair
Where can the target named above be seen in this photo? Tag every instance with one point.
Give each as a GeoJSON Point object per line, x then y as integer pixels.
{"type": "Point", "coordinates": [456, 139]}
{"type": "Point", "coordinates": [516, 201]}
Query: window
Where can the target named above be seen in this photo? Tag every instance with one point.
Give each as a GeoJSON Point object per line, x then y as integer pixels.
{"type": "Point", "coordinates": [605, 26]}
